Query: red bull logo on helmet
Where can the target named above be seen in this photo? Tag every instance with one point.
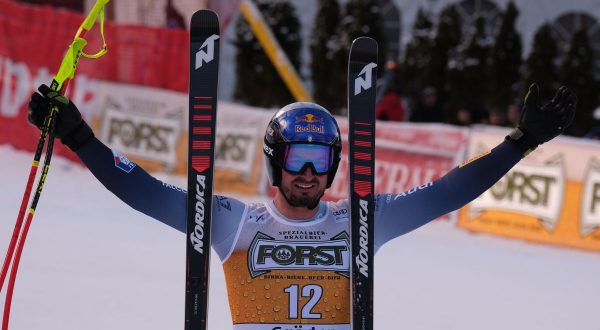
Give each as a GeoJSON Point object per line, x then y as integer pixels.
{"type": "Point", "coordinates": [309, 123]}
{"type": "Point", "coordinates": [309, 118]}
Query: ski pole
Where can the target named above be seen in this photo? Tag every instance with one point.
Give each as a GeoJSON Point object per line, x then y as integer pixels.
{"type": "Point", "coordinates": [59, 84]}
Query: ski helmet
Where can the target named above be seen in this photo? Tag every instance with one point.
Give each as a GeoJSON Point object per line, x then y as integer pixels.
{"type": "Point", "coordinates": [312, 131]}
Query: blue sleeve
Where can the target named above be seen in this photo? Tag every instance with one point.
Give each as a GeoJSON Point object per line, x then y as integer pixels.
{"type": "Point", "coordinates": [398, 214]}
{"type": "Point", "coordinates": [159, 200]}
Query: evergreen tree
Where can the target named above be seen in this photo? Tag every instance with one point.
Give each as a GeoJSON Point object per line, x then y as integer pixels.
{"type": "Point", "coordinates": [467, 73]}
{"type": "Point", "coordinates": [476, 65]}
{"type": "Point", "coordinates": [447, 38]}
{"type": "Point", "coordinates": [505, 62]}
{"type": "Point", "coordinates": [362, 19]}
{"type": "Point", "coordinates": [577, 73]}
{"type": "Point", "coordinates": [540, 65]}
{"type": "Point", "coordinates": [328, 58]}
{"type": "Point", "coordinates": [417, 56]}
{"type": "Point", "coordinates": [258, 82]}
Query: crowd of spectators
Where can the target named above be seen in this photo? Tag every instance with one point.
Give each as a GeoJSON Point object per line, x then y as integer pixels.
{"type": "Point", "coordinates": [429, 108]}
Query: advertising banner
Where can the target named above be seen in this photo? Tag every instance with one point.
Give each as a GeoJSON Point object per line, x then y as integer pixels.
{"type": "Point", "coordinates": [407, 155]}
{"type": "Point", "coordinates": [238, 149]}
{"type": "Point", "coordinates": [150, 125]}
{"type": "Point", "coordinates": [551, 196]}
{"type": "Point", "coordinates": [34, 40]}
{"type": "Point", "coordinates": [146, 124]}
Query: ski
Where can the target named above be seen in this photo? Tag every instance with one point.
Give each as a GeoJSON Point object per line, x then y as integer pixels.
{"type": "Point", "coordinates": [204, 70]}
{"type": "Point", "coordinates": [362, 77]}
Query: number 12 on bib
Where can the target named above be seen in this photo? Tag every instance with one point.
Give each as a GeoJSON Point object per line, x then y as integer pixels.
{"type": "Point", "coordinates": [362, 79]}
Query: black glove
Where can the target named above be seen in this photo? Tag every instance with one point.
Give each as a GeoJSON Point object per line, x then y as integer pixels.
{"type": "Point", "coordinates": [72, 130]}
{"type": "Point", "coordinates": [541, 124]}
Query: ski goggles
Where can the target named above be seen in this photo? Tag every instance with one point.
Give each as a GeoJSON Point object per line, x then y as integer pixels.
{"type": "Point", "coordinates": [299, 155]}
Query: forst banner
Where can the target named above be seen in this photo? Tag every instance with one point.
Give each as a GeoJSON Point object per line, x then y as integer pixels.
{"type": "Point", "coordinates": [552, 196]}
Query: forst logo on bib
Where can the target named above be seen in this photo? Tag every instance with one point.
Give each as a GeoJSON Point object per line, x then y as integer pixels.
{"type": "Point", "coordinates": [266, 254]}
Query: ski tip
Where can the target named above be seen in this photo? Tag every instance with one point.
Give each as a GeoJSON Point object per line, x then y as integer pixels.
{"type": "Point", "coordinates": [364, 42]}
{"type": "Point", "coordinates": [204, 18]}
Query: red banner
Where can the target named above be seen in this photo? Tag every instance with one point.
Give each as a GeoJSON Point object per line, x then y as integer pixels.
{"type": "Point", "coordinates": [406, 155]}
{"type": "Point", "coordinates": [33, 41]}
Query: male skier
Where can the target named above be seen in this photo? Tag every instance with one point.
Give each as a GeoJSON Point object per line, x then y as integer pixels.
{"type": "Point", "coordinates": [287, 261]}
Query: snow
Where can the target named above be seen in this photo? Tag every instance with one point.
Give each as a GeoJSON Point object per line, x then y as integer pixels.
{"type": "Point", "coordinates": [91, 262]}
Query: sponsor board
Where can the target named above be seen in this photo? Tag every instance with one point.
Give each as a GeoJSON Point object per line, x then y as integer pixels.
{"type": "Point", "coordinates": [590, 205]}
{"type": "Point", "coordinates": [143, 63]}
{"type": "Point", "coordinates": [551, 196]}
{"type": "Point", "coordinates": [407, 156]}
{"type": "Point", "coordinates": [239, 149]}
{"type": "Point", "coordinates": [144, 123]}
{"type": "Point", "coordinates": [536, 190]}
{"type": "Point", "coordinates": [235, 148]}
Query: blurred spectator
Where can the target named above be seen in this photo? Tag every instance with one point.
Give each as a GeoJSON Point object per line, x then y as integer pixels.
{"type": "Point", "coordinates": [428, 109]}
{"type": "Point", "coordinates": [390, 107]}
{"type": "Point", "coordinates": [174, 19]}
{"type": "Point", "coordinates": [594, 132]}
{"type": "Point", "coordinates": [463, 117]}
{"type": "Point", "coordinates": [513, 114]}
{"type": "Point", "coordinates": [496, 117]}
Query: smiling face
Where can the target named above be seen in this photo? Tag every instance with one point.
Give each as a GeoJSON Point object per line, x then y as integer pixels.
{"type": "Point", "coordinates": [300, 194]}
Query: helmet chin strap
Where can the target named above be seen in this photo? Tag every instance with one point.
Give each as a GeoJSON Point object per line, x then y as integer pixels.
{"type": "Point", "coordinates": [296, 204]}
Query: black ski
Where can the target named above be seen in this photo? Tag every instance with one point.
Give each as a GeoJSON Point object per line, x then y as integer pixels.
{"type": "Point", "coordinates": [362, 81]}
{"type": "Point", "coordinates": [204, 70]}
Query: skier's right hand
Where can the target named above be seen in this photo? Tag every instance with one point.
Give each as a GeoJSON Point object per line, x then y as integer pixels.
{"type": "Point", "coordinates": [72, 130]}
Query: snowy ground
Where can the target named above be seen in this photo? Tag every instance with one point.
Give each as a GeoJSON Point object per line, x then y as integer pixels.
{"type": "Point", "coordinates": [91, 263]}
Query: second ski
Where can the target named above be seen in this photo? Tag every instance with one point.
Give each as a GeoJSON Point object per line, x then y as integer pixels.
{"type": "Point", "coordinates": [362, 77]}
{"type": "Point", "coordinates": [204, 70]}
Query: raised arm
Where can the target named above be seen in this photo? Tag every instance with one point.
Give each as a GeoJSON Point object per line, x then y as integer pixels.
{"type": "Point", "coordinates": [397, 214]}
{"type": "Point", "coordinates": [134, 186]}
{"type": "Point", "coordinates": [128, 181]}
{"type": "Point", "coordinates": [159, 200]}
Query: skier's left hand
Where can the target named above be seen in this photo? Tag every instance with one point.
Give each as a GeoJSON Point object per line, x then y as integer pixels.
{"type": "Point", "coordinates": [541, 124]}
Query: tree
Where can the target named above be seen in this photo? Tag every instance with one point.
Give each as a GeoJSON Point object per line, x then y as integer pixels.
{"type": "Point", "coordinates": [505, 62]}
{"type": "Point", "coordinates": [467, 73]}
{"type": "Point", "coordinates": [476, 65]}
{"type": "Point", "coordinates": [328, 58]}
{"type": "Point", "coordinates": [362, 19]}
{"type": "Point", "coordinates": [577, 72]}
{"type": "Point", "coordinates": [540, 65]}
{"type": "Point", "coordinates": [258, 82]}
{"type": "Point", "coordinates": [417, 56]}
{"type": "Point", "coordinates": [447, 38]}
